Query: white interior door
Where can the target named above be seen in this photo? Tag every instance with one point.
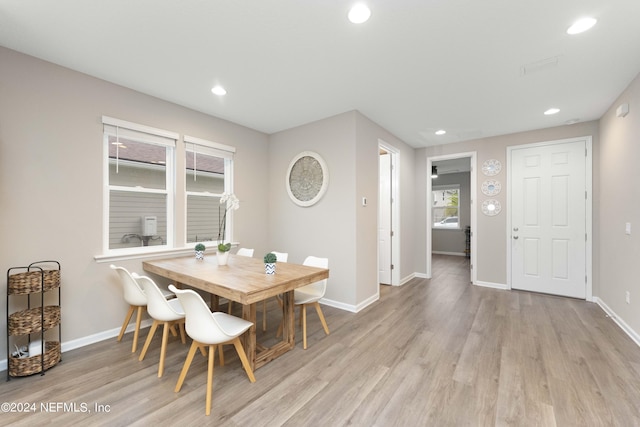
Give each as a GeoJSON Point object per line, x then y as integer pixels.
{"type": "Point", "coordinates": [384, 222]}
{"type": "Point", "coordinates": [548, 219]}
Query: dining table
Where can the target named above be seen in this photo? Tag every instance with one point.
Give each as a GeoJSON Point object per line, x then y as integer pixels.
{"type": "Point", "coordinates": [244, 280]}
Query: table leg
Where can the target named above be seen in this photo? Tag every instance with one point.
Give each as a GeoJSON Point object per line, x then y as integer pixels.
{"type": "Point", "coordinates": [215, 302]}
{"type": "Point", "coordinates": [289, 317]}
{"type": "Point", "coordinates": [249, 337]}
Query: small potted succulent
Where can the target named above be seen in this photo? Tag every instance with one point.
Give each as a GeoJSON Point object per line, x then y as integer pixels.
{"type": "Point", "coordinates": [200, 251]}
{"type": "Point", "coordinates": [270, 263]}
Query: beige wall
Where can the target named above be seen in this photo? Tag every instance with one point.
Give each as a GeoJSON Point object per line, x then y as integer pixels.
{"type": "Point", "coordinates": [619, 203]}
{"type": "Point", "coordinates": [51, 180]}
{"type": "Point", "coordinates": [491, 232]}
{"type": "Point", "coordinates": [338, 226]}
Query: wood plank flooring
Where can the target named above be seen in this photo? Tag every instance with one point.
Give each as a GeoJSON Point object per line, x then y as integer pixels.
{"type": "Point", "coordinates": [436, 352]}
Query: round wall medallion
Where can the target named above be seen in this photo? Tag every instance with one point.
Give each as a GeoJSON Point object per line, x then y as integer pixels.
{"type": "Point", "coordinates": [491, 207]}
{"type": "Point", "coordinates": [491, 167]}
{"type": "Point", "coordinates": [491, 187]}
{"type": "Point", "coordinates": [307, 178]}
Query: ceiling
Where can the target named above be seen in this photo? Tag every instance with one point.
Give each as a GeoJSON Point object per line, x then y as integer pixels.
{"type": "Point", "coordinates": [474, 68]}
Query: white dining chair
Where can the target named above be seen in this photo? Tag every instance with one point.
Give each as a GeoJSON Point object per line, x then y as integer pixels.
{"type": "Point", "coordinates": [162, 311]}
{"type": "Point", "coordinates": [137, 300]}
{"type": "Point", "coordinates": [245, 252]}
{"type": "Point", "coordinates": [310, 295]}
{"type": "Point", "coordinates": [209, 330]}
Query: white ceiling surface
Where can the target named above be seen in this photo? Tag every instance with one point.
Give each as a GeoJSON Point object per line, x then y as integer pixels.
{"type": "Point", "coordinates": [415, 67]}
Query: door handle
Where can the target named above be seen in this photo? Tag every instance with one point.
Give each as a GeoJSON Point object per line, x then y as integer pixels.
{"type": "Point", "coordinates": [515, 228]}
{"type": "Point", "coordinates": [515, 237]}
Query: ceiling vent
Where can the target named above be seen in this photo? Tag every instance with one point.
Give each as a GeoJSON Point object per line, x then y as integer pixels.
{"type": "Point", "coordinates": [538, 66]}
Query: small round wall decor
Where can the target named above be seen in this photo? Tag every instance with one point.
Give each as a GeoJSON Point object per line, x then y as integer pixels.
{"type": "Point", "coordinates": [491, 167]}
{"type": "Point", "coordinates": [491, 187]}
{"type": "Point", "coordinates": [491, 207]}
{"type": "Point", "coordinates": [307, 178]}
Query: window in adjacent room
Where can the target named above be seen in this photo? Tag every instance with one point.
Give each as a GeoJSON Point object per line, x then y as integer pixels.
{"type": "Point", "coordinates": [445, 207]}
{"type": "Point", "coordinates": [140, 183]}
{"type": "Point", "coordinates": [208, 176]}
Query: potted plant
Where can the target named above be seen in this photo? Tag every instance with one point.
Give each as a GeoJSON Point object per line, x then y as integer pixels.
{"type": "Point", "coordinates": [200, 251]}
{"type": "Point", "coordinates": [270, 263]}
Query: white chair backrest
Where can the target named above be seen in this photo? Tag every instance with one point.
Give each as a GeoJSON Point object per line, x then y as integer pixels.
{"type": "Point", "coordinates": [281, 256]}
{"type": "Point", "coordinates": [313, 261]}
{"type": "Point", "coordinates": [133, 293]}
{"type": "Point", "coordinates": [200, 323]}
{"type": "Point", "coordinates": [245, 252]}
{"type": "Point", "coordinates": [157, 305]}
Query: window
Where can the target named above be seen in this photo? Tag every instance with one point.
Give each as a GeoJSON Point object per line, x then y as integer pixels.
{"type": "Point", "coordinates": [446, 206]}
{"type": "Point", "coordinates": [140, 183]}
{"type": "Point", "coordinates": [208, 175]}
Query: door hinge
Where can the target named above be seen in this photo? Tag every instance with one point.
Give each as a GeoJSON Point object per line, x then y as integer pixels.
{"type": "Point", "coordinates": [585, 237]}
{"type": "Point", "coordinates": [392, 267]}
{"type": "Point", "coordinates": [391, 233]}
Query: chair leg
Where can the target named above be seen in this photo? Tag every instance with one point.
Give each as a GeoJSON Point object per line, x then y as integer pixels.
{"type": "Point", "coordinates": [163, 348]}
{"type": "Point", "coordinates": [127, 319]}
{"type": "Point", "coordinates": [202, 350]}
{"type": "Point", "coordinates": [183, 336]}
{"type": "Point", "coordinates": [134, 347]}
{"type": "Point", "coordinates": [212, 356]}
{"type": "Point", "coordinates": [187, 363]}
{"type": "Point", "coordinates": [221, 354]}
{"type": "Point", "coordinates": [321, 316]}
{"type": "Point", "coordinates": [243, 358]}
{"type": "Point", "coordinates": [152, 331]}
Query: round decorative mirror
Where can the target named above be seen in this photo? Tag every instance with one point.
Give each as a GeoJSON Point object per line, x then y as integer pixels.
{"type": "Point", "coordinates": [491, 207]}
{"type": "Point", "coordinates": [491, 187]}
{"type": "Point", "coordinates": [307, 178]}
{"type": "Point", "coordinates": [491, 167]}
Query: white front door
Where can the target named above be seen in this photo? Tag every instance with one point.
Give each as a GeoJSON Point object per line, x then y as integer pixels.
{"type": "Point", "coordinates": [548, 218]}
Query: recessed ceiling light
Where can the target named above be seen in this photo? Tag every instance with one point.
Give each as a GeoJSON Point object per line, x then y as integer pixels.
{"type": "Point", "coordinates": [571, 121]}
{"type": "Point", "coordinates": [218, 90]}
{"type": "Point", "coordinates": [359, 13]}
{"type": "Point", "coordinates": [441, 132]}
{"type": "Point", "coordinates": [582, 25]}
{"type": "Point", "coordinates": [551, 111]}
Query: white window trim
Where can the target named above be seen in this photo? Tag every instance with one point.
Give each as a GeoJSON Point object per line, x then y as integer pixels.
{"type": "Point", "coordinates": [153, 136]}
{"type": "Point", "coordinates": [219, 150]}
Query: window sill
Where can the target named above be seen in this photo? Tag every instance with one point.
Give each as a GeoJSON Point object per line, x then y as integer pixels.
{"type": "Point", "coordinates": [149, 253]}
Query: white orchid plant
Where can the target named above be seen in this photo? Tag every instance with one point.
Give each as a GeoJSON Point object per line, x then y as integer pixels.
{"type": "Point", "coordinates": [230, 201]}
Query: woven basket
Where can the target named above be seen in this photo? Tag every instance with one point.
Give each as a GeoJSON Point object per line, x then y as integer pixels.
{"type": "Point", "coordinates": [29, 321]}
{"type": "Point", "coordinates": [31, 281]}
{"type": "Point", "coordinates": [32, 365]}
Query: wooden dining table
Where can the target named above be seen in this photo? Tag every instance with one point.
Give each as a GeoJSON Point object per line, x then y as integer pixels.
{"type": "Point", "coordinates": [244, 280]}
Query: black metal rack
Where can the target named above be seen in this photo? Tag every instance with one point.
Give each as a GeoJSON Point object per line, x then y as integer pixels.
{"type": "Point", "coordinates": [37, 278]}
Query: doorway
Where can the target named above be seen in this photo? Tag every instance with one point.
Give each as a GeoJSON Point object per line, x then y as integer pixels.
{"type": "Point", "coordinates": [469, 160]}
{"type": "Point", "coordinates": [550, 217]}
{"type": "Point", "coordinates": [388, 216]}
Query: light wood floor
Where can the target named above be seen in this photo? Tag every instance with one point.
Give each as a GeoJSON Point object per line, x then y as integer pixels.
{"type": "Point", "coordinates": [436, 352]}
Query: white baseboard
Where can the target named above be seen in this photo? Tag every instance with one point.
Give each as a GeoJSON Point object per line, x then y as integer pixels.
{"type": "Point", "coordinates": [448, 253]}
{"type": "Point", "coordinates": [492, 285]}
{"type": "Point", "coordinates": [621, 323]}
